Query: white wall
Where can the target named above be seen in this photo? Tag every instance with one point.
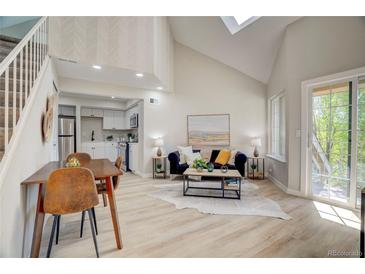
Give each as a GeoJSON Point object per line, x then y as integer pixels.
{"type": "Point", "coordinates": [313, 47]}
{"type": "Point", "coordinates": [137, 43]}
{"type": "Point", "coordinates": [17, 207]}
{"type": "Point", "coordinates": [202, 86]}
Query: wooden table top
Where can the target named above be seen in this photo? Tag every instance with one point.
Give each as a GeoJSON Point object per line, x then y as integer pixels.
{"type": "Point", "coordinates": [231, 173]}
{"type": "Point", "coordinates": [101, 168]}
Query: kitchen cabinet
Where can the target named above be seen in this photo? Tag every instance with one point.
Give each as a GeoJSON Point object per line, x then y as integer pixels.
{"type": "Point", "coordinates": [96, 150]}
{"type": "Point", "coordinates": [111, 151]}
{"type": "Point", "coordinates": [87, 148]}
{"type": "Point", "coordinates": [108, 120]}
{"type": "Point", "coordinates": [67, 110]}
{"type": "Point", "coordinates": [133, 156]}
{"type": "Point", "coordinates": [101, 150]}
{"type": "Point", "coordinates": [114, 119]}
{"type": "Point", "coordinates": [92, 112]}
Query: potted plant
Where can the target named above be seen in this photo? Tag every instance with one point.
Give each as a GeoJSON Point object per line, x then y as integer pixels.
{"type": "Point", "coordinates": [158, 168]}
{"type": "Point", "coordinates": [199, 164]}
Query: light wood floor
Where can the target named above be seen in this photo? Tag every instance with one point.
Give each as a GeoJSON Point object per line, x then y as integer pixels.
{"type": "Point", "coordinates": [154, 228]}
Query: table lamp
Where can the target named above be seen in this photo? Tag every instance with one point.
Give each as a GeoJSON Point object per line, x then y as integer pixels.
{"type": "Point", "coordinates": [159, 143]}
{"type": "Point", "coordinates": [256, 142]}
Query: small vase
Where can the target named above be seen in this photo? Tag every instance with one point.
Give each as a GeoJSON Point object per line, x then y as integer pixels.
{"type": "Point", "coordinates": [210, 167]}
{"type": "Point", "coordinates": [199, 169]}
{"type": "Point", "coordinates": [224, 169]}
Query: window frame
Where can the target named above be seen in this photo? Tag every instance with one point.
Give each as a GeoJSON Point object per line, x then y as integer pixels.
{"type": "Point", "coordinates": [279, 96]}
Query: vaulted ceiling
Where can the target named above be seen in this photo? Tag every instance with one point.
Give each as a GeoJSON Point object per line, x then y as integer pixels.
{"type": "Point", "coordinates": [252, 50]}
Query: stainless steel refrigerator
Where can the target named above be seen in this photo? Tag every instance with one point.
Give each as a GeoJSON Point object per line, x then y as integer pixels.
{"type": "Point", "coordinates": [66, 137]}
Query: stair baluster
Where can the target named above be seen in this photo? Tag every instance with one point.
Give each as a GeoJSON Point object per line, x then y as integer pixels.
{"type": "Point", "coordinates": [20, 67]}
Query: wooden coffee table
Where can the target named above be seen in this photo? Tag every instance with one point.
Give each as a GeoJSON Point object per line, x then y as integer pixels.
{"type": "Point", "coordinates": [216, 173]}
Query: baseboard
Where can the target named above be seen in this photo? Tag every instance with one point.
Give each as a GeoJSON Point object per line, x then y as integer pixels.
{"type": "Point", "coordinates": [295, 193]}
{"type": "Point", "coordinates": [278, 183]}
{"type": "Point", "coordinates": [284, 187]}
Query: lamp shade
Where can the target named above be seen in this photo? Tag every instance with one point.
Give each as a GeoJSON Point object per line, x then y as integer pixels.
{"type": "Point", "coordinates": [158, 142]}
{"type": "Point", "coordinates": [256, 142]}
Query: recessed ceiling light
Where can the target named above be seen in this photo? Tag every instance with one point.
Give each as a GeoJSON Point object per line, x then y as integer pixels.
{"type": "Point", "coordinates": [96, 67]}
{"type": "Point", "coordinates": [113, 97]}
{"type": "Point", "coordinates": [139, 75]}
{"type": "Point", "coordinates": [159, 88]}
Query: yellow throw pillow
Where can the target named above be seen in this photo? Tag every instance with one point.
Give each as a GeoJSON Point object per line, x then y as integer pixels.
{"type": "Point", "coordinates": [223, 157]}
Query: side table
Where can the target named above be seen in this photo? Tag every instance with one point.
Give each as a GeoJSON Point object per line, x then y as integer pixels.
{"type": "Point", "coordinates": [256, 168]}
{"type": "Point", "coordinates": [157, 171]}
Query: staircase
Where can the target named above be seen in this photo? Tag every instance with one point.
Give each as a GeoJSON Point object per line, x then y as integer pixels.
{"type": "Point", "coordinates": [7, 44]}
{"type": "Point", "coordinates": [21, 61]}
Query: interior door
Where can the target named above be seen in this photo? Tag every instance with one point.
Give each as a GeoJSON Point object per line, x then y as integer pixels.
{"type": "Point", "coordinates": [331, 145]}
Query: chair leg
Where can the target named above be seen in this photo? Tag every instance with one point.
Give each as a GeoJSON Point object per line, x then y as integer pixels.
{"type": "Point", "coordinates": [105, 202]}
{"type": "Point", "coordinates": [82, 223]}
{"type": "Point", "coordinates": [55, 220]}
{"type": "Point", "coordinates": [94, 217]}
{"type": "Point", "coordinates": [89, 211]}
{"type": "Point", "coordinates": [58, 228]}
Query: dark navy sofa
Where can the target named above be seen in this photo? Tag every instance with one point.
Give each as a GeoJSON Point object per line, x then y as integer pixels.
{"type": "Point", "coordinates": [177, 169]}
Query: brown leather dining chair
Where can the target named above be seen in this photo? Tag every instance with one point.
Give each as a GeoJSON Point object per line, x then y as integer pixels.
{"type": "Point", "coordinates": [70, 190]}
{"type": "Point", "coordinates": [101, 187]}
{"type": "Point", "coordinates": [82, 157]}
{"type": "Point", "coordinates": [116, 179]}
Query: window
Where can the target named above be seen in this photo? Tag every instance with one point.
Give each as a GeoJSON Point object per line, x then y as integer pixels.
{"type": "Point", "coordinates": [277, 127]}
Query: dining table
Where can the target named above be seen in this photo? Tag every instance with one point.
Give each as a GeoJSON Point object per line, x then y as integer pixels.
{"type": "Point", "coordinates": [103, 169]}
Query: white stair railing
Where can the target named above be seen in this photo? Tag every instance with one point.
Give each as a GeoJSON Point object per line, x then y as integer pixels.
{"type": "Point", "coordinates": [20, 70]}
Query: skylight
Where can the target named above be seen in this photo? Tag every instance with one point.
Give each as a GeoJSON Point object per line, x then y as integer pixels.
{"type": "Point", "coordinates": [241, 19]}
{"type": "Point", "coordinates": [235, 23]}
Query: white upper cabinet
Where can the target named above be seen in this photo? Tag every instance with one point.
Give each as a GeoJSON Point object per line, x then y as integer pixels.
{"type": "Point", "coordinates": [67, 110]}
{"type": "Point", "coordinates": [114, 119]}
{"type": "Point", "coordinates": [92, 112]}
{"type": "Point", "coordinates": [108, 120]}
{"type": "Point", "coordinates": [137, 43]}
{"type": "Point", "coordinates": [119, 121]}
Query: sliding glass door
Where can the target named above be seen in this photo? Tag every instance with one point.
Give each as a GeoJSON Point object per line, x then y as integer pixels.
{"type": "Point", "coordinates": [360, 171]}
{"type": "Point", "coordinates": [336, 154]}
{"type": "Point", "coordinates": [331, 145]}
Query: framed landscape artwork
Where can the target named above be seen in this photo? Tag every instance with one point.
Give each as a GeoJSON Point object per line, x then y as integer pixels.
{"type": "Point", "coordinates": [209, 130]}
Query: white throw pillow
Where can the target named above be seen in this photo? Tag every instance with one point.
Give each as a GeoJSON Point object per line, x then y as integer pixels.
{"type": "Point", "coordinates": [182, 151]}
{"type": "Point", "coordinates": [233, 156]}
{"type": "Point", "coordinates": [190, 158]}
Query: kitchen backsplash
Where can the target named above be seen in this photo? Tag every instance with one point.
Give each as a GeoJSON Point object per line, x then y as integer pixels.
{"type": "Point", "coordinates": [100, 135]}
